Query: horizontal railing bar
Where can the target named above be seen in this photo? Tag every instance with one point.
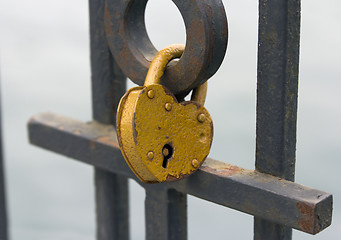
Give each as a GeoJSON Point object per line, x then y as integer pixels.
{"type": "Point", "coordinates": [249, 191]}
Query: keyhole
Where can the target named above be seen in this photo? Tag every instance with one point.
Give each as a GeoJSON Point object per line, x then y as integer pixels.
{"type": "Point", "coordinates": [167, 152]}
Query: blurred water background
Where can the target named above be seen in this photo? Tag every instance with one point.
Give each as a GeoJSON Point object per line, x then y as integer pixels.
{"type": "Point", "coordinates": [44, 66]}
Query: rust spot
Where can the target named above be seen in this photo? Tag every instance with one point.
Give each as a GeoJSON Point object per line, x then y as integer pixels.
{"type": "Point", "coordinates": [109, 23]}
{"type": "Point", "coordinates": [224, 172]}
{"type": "Point", "coordinates": [209, 12]}
{"type": "Point", "coordinates": [307, 219]}
{"type": "Point", "coordinates": [92, 145]}
{"type": "Point", "coordinates": [108, 141]}
{"type": "Point", "coordinates": [171, 178]}
{"type": "Point", "coordinates": [233, 170]}
{"type": "Point", "coordinates": [77, 132]}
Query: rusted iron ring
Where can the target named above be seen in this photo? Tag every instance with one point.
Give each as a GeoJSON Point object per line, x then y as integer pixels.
{"type": "Point", "coordinates": [206, 30]}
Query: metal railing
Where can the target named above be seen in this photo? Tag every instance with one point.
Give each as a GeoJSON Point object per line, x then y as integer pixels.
{"type": "Point", "coordinates": [3, 211]}
{"type": "Point", "coordinates": [268, 193]}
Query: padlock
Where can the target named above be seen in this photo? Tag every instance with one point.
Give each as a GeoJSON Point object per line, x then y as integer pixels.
{"type": "Point", "coordinates": [161, 139]}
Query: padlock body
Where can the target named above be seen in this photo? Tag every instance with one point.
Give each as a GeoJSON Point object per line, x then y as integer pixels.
{"type": "Point", "coordinates": [161, 139]}
{"type": "Point", "coordinates": [125, 133]}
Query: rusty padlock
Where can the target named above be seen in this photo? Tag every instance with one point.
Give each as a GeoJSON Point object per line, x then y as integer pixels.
{"type": "Point", "coordinates": [161, 139]}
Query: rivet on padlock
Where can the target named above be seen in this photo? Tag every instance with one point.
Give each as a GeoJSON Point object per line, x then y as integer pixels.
{"type": "Point", "coordinates": [160, 138]}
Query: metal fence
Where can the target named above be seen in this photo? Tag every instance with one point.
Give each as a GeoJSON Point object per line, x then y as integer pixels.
{"type": "Point", "coordinates": [268, 193]}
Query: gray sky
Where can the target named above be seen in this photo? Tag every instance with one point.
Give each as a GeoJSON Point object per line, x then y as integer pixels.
{"type": "Point", "coordinates": [44, 62]}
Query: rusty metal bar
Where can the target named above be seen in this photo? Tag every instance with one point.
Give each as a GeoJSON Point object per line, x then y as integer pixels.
{"type": "Point", "coordinates": [108, 81]}
{"type": "Point", "coordinates": [252, 192]}
{"type": "Point", "coordinates": [166, 213]}
{"type": "Point", "coordinates": [206, 29]}
{"type": "Point", "coordinates": [111, 205]}
{"type": "Point", "coordinates": [277, 78]}
{"type": "Point", "coordinates": [177, 215]}
{"type": "Point", "coordinates": [156, 214]}
{"type": "Point", "coordinates": [108, 85]}
{"type": "Point", "coordinates": [3, 212]}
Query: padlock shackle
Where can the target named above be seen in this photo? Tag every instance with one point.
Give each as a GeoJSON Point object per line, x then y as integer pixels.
{"type": "Point", "coordinates": [160, 61]}
{"type": "Point", "coordinates": [158, 66]}
{"type": "Point", "coordinates": [199, 93]}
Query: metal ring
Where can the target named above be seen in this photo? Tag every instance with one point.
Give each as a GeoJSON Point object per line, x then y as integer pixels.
{"type": "Point", "coordinates": [206, 42]}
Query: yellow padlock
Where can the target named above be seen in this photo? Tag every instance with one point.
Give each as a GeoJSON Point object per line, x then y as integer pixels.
{"type": "Point", "coordinates": [161, 139]}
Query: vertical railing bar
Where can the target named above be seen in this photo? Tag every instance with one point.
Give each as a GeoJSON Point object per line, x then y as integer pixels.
{"type": "Point", "coordinates": [3, 212]}
{"type": "Point", "coordinates": [277, 84]}
{"type": "Point", "coordinates": [108, 85]}
{"type": "Point", "coordinates": [156, 213]}
{"type": "Point", "coordinates": [177, 215]}
{"type": "Point", "coordinates": [111, 206]}
{"type": "Point", "coordinates": [166, 214]}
